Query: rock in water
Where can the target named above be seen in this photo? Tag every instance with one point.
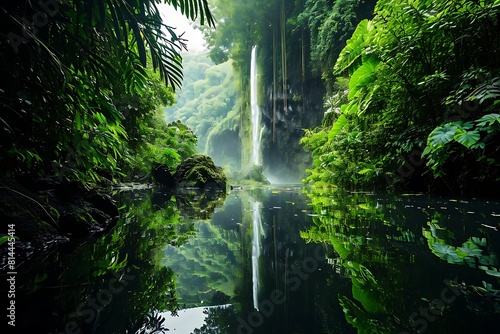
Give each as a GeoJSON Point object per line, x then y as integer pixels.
{"type": "Point", "coordinates": [200, 171]}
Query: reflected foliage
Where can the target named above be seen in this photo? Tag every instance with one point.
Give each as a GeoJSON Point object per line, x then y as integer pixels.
{"type": "Point", "coordinates": [370, 238]}
{"type": "Point", "coordinates": [153, 323]}
{"type": "Point", "coordinates": [219, 320]}
{"type": "Point", "coordinates": [331, 261]}
{"type": "Point", "coordinates": [121, 270]}
{"type": "Point", "coordinates": [199, 204]}
{"type": "Point", "coordinates": [208, 265]}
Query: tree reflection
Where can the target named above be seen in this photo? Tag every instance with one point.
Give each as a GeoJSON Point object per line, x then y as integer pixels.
{"type": "Point", "coordinates": [152, 323]}
{"type": "Point", "coordinates": [116, 283]}
{"type": "Point", "coordinates": [141, 236]}
{"type": "Point", "coordinates": [377, 243]}
{"type": "Point", "coordinates": [220, 319]}
{"type": "Point", "coordinates": [199, 204]}
{"type": "Point", "coordinates": [476, 252]}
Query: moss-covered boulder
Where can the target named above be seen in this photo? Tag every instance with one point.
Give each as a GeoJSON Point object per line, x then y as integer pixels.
{"type": "Point", "coordinates": [200, 171]}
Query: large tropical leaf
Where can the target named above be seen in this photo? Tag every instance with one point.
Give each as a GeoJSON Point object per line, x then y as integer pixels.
{"type": "Point", "coordinates": [350, 108]}
{"type": "Point", "coordinates": [467, 138]}
{"type": "Point", "coordinates": [442, 134]}
{"type": "Point", "coordinates": [489, 119]}
{"type": "Point", "coordinates": [350, 57]}
{"type": "Point", "coordinates": [363, 76]}
{"type": "Point", "coordinates": [337, 126]}
{"type": "Point", "coordinates": [446, 252]}
{"type": "Point", "coordinates": [367, 297]}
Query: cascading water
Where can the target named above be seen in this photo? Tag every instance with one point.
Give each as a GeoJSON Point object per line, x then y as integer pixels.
{"type": "Point", "coordinates": [256, 160]}
{"type": "Point", "coordinates": [257, 231]}
{"type": "Point", "coordinates": [256, 128]}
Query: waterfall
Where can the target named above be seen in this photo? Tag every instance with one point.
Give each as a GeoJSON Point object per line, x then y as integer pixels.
{"type": "Point", "coordinates": [257, 231]}
{"type": "Point", "coordinates": [256, 131]}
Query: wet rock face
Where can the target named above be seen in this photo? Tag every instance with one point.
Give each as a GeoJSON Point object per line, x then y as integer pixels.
{"type": "Point", "coordinates": [200, 171]}
{"type": "Point", "coordinates": [304, 110]}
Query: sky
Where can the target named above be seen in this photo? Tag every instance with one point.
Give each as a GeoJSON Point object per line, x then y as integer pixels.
{"type": "Point", "coordinates": [182, 24]}
{"type": "Point", "coordinates": [186, 321]}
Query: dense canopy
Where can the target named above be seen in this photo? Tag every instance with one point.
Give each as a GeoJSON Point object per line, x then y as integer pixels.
{"type": "Point", "coordinates": [81, 82]}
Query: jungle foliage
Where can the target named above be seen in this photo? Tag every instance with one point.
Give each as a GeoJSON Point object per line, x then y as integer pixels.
{"type": "Point", "coordinates": [316, 30]}
{"type": "Point", "coordinates": [81, 84]}
{"type": "Point", "coordinates": [421, 105]}
{"type": "Point", "coordinates": [298, 42]}
{"type": "Point", "coordinates": [412, 86]}
{"type": "Point", "coordinates": [209, 104]}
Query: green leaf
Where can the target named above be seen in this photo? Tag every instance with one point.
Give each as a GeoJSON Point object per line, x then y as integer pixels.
{"type": "Point", "coordinates": [467, 138]}
{"type": "Point", "coordinates": [493, 272]}
{"type": "Point", "coordinates": [139, 40]}
{"type": "Point", "coordinates": [350, 109]}
{"type": "Point", "coordinates": [337, 126]}
{"type": "Point", "coordinates": [100, 118]}
{"type": "Point", "coordinates": [78, 121]}
{"type": "Point", "coordinates": [339, 247]}
{"type": "Point", "coordinates": [350, 57]}
{"type": "Point", "coordinates": [5, 238]}
{"type": "Point", "coordinates": [442, 134]}
{"type": "Point", "coordinates": [446, 252]}
{"type": "Point", "coordinates": [368, 298]}
{"type": "Point", "coordinates": [363, 76]}
{"type": "Point", "coordinates": [489, 119]}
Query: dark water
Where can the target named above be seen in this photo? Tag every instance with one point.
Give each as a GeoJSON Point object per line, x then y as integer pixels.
{"type": "Point", "coordinates": [275, 260]}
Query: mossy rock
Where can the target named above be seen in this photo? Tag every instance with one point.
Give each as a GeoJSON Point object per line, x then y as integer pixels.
{"type": "Point", "coordinates": [199, 204]}
{"type": "Point", "coordinates": [200, 171]}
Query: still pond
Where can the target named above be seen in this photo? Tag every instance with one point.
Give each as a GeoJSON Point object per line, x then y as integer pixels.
{"type": "Point", "coordinates": [274, 260]}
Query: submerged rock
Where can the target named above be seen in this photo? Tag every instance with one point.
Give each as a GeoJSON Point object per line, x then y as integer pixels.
{"type": "Point", "coordinates": [200, 171]}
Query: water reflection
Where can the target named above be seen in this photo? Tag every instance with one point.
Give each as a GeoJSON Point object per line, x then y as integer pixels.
{"type": "Point", "coordinates": [256, 235]}
{"type": "Point", "coordinates": [112, 284]}
{"type": "Point", "coordinates": [274, 261]}
{"type": "Point", "coordinates": [403, 256]}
